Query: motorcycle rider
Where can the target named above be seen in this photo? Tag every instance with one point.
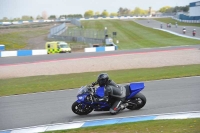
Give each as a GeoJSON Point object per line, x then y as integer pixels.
{"type": "Point", "coordinates": [184, 30]}
{"type": "Point", "coordinates": [176, 24]}
{"type": "Point", "coordinates": [111, 90]}
{"type": "Point", "coordinates": [194, 32]}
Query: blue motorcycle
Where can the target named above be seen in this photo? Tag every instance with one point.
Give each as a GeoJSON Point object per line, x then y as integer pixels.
{"type": "Point", "coordinates": [87, 99]}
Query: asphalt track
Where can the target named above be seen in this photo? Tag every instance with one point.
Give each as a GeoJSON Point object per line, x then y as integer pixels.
{"type": "Point", "coordinates": [156, 24]}
{"type": "Point", "coordinates": [163, 96]}
{"type": "Point", "coordinates": [64, 56]}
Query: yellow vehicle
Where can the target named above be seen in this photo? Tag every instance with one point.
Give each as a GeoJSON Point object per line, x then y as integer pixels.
{"type": "Point", "coordinates": [57, 47]}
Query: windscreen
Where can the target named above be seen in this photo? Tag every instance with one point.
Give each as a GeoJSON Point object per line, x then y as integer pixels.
{"type": "Point", "coordinates": [63, 45]}
{"type": "Point", "coordinates": [82, 90]}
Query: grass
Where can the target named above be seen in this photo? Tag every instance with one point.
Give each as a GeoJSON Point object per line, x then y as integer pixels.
{"type": "Point", "coordinates": [19, 39]}
{"type": "Point", "coordinates": [132, 35]}
{"type": "Point", "coordinates": [172, 21]}
{"type": "Point", "coordinates": [156, 126]}
{"type": "Point", "coordinates": [67, 81]}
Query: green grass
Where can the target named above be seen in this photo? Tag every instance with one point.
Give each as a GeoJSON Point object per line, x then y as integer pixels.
{"type": "Point", "coordinates": [66, 81]}
{"type": "Point", "coordinates": [132, 35]}
{"type": "Point", "coordinates": [156, 126]}
{"type": "Point", "coordinates": [19, 39]}
{"type": "Point", "coordinates": [172, 21]}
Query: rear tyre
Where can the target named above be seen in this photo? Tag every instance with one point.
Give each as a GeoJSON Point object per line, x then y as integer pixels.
{"type": "Point", "coordinates": [78, 109]}
{"type": "Point", "coordinates": [137, 102]}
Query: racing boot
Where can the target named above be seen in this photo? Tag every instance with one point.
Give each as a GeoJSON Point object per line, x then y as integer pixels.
{"type": "Point", "coordinates": [123, 106]}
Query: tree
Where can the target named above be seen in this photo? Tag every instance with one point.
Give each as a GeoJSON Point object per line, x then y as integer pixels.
{"type": "Point", "coordinates": [88, 13]}
{"type": "Point", "coordinates": [120, 11]}
{"type": "Point", "coordinates": [52, 17]}
{"type": "Point", "coordinates": [44, 15]}
{"type": "Point", "coordinates": [164, 9]}
{"type": "Point", "coordinates": [39, 17]}
{"type": "Point", "coordinates": [63, 16]}
{"type": "Point", "coordinates": [31, 18]}
{"type": "Point", "coordinates": [105, 13]}
{"type": "Point", "coordinates": [137, 11]}
{"type": "Point", "coordinates": [113, 14]}
{"type": "Point", "coordinates": [96, 13]}
{"type": "Point", "coordinates": [124, 11]}
{"type": "Point", "coordinates": [181, 8]}
{"type": "Point", "coordinates": [26, 18]}
{"type": "Point", "coordinates": [5, 18]}
{"type": "Point", "coordinates": [16, 19]}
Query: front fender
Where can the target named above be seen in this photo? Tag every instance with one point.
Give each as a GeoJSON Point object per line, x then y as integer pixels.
{"type": "Point", "coordinates": [78, 101]}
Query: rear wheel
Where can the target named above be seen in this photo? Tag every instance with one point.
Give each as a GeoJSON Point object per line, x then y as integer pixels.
{"type": "Point", "coordinates": [137, 102]}
{"type": "Point", "coordinates": [80, 109]}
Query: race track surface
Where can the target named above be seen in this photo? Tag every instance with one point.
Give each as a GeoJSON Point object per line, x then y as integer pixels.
{"type": "Point", "coordinates": [156, 24]}
{"type": "Point", "coordinates": [64, 56]}
{"type": "Point", "coordinates": [163, 96]}
{"type": "Point", "coordinates": [94, 62]}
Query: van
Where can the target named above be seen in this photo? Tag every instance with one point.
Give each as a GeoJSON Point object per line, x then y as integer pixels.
{"type": "Point", "coordinates": [57, 47]}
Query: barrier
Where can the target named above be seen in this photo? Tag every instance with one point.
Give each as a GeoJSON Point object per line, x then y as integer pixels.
{"type": "Point", "coordinates": [23, 53]}
{"type": "Point", "coordinates": [101, 49]}
{"type": "Point", "coordinates": [8, 53]}
{"type": "Point", "coordinates": [2, 47]}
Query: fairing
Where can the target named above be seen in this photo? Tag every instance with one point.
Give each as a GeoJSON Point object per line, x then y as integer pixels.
{"type": "Point", "coordinates": [100, 92]}
{"type": "Point", "coordinates": [135, 88]}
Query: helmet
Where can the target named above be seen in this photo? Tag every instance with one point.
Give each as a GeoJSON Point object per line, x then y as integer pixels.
{"type": "Point", "coordinates": [102, 79]}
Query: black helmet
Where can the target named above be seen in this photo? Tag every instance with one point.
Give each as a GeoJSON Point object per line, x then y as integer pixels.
{"type": "Point", "coordinates": [102, 79]}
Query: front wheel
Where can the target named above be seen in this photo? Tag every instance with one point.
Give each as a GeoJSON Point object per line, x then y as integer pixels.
{"type": "Point", "coordinates": [137, 102]}
{"type": "Point", "coordinates": [80, 109]}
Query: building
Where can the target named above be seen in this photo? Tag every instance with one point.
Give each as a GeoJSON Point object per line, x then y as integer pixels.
{"type": "Point", "coordinates": [194, 9]}
{"type": "Point", "coordinates": [194, 12]}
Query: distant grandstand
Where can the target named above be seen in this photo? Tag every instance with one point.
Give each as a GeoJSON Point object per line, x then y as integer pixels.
{"type": "Point", "coordinates": [194, 12]}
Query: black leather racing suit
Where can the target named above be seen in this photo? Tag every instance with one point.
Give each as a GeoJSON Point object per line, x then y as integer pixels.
{"type": "Point", "coordinates": [112, 90]}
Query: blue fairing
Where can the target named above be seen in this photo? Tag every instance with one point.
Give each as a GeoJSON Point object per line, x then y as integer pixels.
{"type": "Point", "coordinates": [81, 98]}
{"type": "Point", "coordinates": [134, 89]}
{"type": "Point", "coordinates": [100, 92]}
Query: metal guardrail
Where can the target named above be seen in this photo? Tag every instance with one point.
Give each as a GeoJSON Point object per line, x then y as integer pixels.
{"type": "Point", "coordinates": [86, 36]}
{"type": "Point", "coordinates": [78, 39]}
{"type": "Point", "coordinates": [57, 30]}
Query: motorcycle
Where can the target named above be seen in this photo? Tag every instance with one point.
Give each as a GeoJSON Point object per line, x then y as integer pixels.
{"type": "Point", "coordinates": [193, 33]}
{"type": "Point", "coordinates": [87, 99]}
{"type": "Point", "coordinates": [184, 31]}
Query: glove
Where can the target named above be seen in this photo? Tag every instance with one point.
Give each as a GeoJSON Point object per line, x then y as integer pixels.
{"type": "Point", "coordinates": [94, 83]}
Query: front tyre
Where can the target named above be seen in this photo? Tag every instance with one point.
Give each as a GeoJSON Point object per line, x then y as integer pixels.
{"type": "Point", "coordinates": [137, 102]}
{"type": "Point", "coordinates": [80, 109]}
